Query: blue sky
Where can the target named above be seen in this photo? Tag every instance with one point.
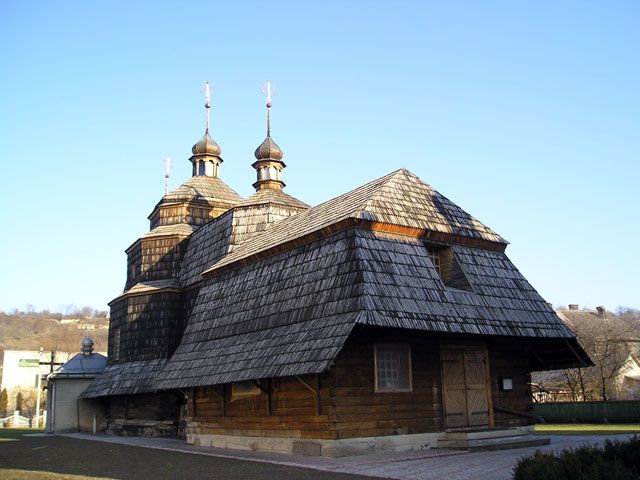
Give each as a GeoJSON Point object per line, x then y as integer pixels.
{"type": "Point", "coordinates": [526, 114]}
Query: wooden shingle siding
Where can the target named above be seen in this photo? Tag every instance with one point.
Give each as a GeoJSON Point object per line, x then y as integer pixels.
{"type": "Point", "coordinates": [215, 240]}
{"type": "Point", "coordinates": [266, 290]}
{"type": "Point", "coordinates": [126, 378]}
{"type": "Point", "coordinates": [261, 322]}
{"type": "Point", "coordinates": [399, 198]}
{"type": "Point", "coordinates": [257, 322]}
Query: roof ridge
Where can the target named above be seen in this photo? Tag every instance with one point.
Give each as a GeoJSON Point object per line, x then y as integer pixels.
{"type": "Point", "coordinates": [301, 218]}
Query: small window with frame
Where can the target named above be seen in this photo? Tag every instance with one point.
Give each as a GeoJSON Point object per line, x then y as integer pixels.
{"type": "Point", "coordinates": [116, 344]}
{"type": "Point", "coordinates": [393, 368]}
{"type": "Point", "coordinates": [447, 267]}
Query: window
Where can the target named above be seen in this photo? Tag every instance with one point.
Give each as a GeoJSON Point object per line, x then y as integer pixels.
{"type": "Point", "coordinates": [116, 344]}
{"type": "Point", "coordinates": [446, 264]}
{"type": "Point", "coordinates": [434, 255]}
{"type": "Point", "coordinates": [393, 368]}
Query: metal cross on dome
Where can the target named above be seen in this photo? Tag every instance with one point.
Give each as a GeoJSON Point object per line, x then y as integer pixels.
{"type": "Point", "coordinates": [207, 102]}
{"type": "Point", "coordinates": [270, 91]}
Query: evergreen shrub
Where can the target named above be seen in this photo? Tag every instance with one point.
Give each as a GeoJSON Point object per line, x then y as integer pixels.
{"type": "Point", "coordinates": [617, 460]}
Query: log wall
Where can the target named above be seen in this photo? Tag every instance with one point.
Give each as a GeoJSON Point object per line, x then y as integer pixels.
{"type": "Point", "coordinates": [510, 358]}
{"type": "Point", "coordinates": [349, 405]}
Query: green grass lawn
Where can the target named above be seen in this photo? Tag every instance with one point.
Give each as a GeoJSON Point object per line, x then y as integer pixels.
{"type": "Point", "coordinates": [13, 434]}
{"type": "Point", "coordinates": [585, 429]}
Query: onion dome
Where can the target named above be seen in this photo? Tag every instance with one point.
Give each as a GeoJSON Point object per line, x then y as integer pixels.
{"type": "Point", "coordinates": [268, 150]}
{"type": "Point", "coordinates": [269, 162]}
{"type": "Point", "coordinates": [206, 146]}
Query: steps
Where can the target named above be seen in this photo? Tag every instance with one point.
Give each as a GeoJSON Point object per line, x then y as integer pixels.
{"type": "Point", "coordinates": [492, 440]}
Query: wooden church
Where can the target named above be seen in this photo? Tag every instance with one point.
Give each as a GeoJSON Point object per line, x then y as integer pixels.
{"type": "Point", "coordinates": [380, 319]}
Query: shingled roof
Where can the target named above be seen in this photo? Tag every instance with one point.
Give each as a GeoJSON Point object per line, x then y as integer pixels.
{"type": "Point", "coordinates": [125, 378]}
{"type": "Point", "coordinates": [209, 189]}
{"type": "Point", "coordinates": [290, 313]}
{"type": "Point", "coordinates": [216, 239]}
{"type": "Point", "coordinates": [400, 198]}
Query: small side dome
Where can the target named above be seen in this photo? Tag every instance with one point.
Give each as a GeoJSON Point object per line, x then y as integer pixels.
{"type": "Point", "coordinates": [206, 146]}
{"type": "Point", "coordinates": [86, 346]}
{"type": "Point", "coordinates": [268, 150]}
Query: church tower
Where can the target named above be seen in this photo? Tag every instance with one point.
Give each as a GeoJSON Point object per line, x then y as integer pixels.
{"type": "Point", "coordinates": [147, 318]}
{"type": "Point", "coordinates": [206, 158]}
{"type": "Point", "coordinates": [269, 164]}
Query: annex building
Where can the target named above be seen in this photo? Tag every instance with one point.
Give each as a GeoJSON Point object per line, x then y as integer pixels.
{"type": "Point", "coordinates": [387, 315]}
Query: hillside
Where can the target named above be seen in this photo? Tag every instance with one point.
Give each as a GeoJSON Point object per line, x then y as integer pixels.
{"type": "Point", "coordinates": [31, 331]}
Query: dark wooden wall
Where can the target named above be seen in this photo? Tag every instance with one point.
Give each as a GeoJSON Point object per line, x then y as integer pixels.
{"type": "Point", "coordinates": [151, 325]}
{"type": "Point", "coordinates": [509, 357]}
{"type": "Point", "coordinates": [293, 410]}
{"type": "Point", "coordinates": [349, 406]}
{"type": "Point", "coordinates": [358, 411]}
{"type": "Point", "coordinates": [148, 414]}
{"type": "Point", "coordinates": [155, 258]}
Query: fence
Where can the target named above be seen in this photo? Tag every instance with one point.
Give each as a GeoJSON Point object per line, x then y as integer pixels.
{"type": "Point", "coordinates": [589, 412]}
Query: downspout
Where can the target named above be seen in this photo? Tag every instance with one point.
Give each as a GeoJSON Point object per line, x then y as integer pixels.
{"type": "Point", "coordinates": [53, 407]}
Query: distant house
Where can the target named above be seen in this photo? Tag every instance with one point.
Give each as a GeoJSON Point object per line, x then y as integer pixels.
{"type": "Point", "coordinates": [614, 345]}
{"type": "Point", "coordinates": [628, 378]}
{"type": "Point", "coordinates": [382, 317]}
{"type": "Point", "coordinates": [21, 367]}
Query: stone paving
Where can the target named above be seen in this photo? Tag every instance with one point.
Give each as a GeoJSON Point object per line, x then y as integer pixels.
{"type": "Point", "coordinates": [423, 465]}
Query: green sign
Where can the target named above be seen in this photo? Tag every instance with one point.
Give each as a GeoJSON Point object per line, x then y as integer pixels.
{"type": "Point", "coordinates": [28, 362]}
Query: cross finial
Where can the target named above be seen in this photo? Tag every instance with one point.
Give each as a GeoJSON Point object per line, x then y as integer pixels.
{"type": "Point", "coordinates": [268, 92]}
{"type": "Point", "coordinates": [207, 104]}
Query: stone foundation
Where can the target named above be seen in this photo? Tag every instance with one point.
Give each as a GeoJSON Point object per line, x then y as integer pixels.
{"type": "Point", "coordinates": [141, 428]}
{"type": "Point", "coordinates": [326, 448]}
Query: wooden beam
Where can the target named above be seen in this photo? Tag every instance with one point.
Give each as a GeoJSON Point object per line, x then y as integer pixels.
{"type": "Point", "coordinates": [224, 399]}
{"type": "Point", "coordinates": [218, 394]}
{"type": "Point", "coordinates": [305, 384]}
{"type": "Point", "coordinates": [537, 357]}
{"type": "Point", "coordinates": [517, 413]}
{"type": "Point", "coordinates": [315, 389]}
{"type": "Point", "coordinates": [193, 403]}
{"type": "Point", "coordinates": [268, 397]}
{"type": "Point", "coordinates": [580, 359]}
{"type": "Point", "coordinates": [317, 397]}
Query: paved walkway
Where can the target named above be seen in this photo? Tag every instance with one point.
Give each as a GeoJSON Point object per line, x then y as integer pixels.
{"type": "Point", "coordinates": [423, 465]}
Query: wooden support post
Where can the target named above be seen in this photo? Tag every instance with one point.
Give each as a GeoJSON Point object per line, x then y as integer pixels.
{"type": "Point", "coordinates": [315, 389]}
{"type": "Point", "coordinates": [317, 397]}
{"type": "Point", "coordinates": [573, 350]}
{"type": "Point", "coordinates": [224, 400]}
{"type": "Point", "coordinates": [268, 397]}
{"type": "Point", "coordinates": [194, 414]}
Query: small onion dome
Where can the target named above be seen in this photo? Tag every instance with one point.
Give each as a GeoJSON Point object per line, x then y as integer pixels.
{"type": "Point", "coordinates": [268, 150]}
{"type": "Point", "coordinates": [86, 346]}
{"type": "Point", "coordinates": [206, 146]}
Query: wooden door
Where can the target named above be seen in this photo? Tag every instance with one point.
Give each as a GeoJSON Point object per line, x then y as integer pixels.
{"type": "Point", "coordinates": [465, 391]}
